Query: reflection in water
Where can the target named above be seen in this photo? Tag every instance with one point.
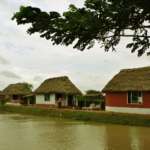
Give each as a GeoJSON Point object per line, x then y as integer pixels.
{"type": "Point", "coordinates": [127, 138]}
{"type": "Point", "coordinates": [34, 133]}
{"type": "Point", "coordinates": [117, 138]}
{"type": "Point", "coordinates": [135, 143]}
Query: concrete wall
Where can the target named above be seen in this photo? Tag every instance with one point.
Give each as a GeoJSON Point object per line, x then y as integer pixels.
{"type": "Point", "coordinates": [40, 99]}
{"type": "Point", "coordinates": [128, 110]}
{"type": "Point", "coordinates": [52, 101]}
{"type": "Point", "coordinates": [118, 101]}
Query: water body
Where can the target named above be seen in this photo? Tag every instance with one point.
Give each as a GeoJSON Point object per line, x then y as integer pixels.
{"type": "Point", "coordinates": [19, 132]}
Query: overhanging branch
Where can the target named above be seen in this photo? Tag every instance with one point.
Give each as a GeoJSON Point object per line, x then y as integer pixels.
{"type": "Point", "coordinates": [127, 35]}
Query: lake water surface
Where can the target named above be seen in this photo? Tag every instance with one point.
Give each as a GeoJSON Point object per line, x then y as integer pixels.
{"type": "Point", "coordinates": [19, 132]}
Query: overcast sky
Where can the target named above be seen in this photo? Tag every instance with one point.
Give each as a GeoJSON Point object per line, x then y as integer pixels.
{"type": "Point", "coordinates": [25, 58]}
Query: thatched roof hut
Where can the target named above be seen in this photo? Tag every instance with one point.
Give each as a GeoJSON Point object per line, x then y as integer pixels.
{"type": "Point", "coordinates": [18, 89]}
{"type": "Point", "coordinates": [137, 79]}
{"type": "Point", "coordinates": [58, 85]}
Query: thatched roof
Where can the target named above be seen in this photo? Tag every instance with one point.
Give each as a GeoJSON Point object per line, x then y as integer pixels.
{"type": "Point", "coordinates": [18, 89]}
{"type": "Point", "coordinates": [137, 79]}
{"type": "Point", "coordinates": [2, 93]}
{"type": "Point", "coordinates": [58, 85]}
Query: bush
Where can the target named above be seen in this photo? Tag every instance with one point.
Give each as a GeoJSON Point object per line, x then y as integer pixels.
{"type": "Point", "coordinates": [97, 117]}
{"type": "Point", "coordinates": [2, 102]}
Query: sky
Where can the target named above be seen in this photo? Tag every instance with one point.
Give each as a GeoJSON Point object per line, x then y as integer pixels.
{"type": "Point", "coordinates": [25, 58]}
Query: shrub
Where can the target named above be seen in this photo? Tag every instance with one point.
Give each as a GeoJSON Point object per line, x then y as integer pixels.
{"type": "Point", "coordinates": [2, 102]}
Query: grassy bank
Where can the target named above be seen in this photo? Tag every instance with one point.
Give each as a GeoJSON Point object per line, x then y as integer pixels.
{"type": "Point", "coordinates": [98, 117]}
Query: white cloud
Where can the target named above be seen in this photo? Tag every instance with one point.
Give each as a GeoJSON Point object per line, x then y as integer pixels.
{"type": "Point", "coordinates": [9, 74]}
{"type": "Point", "coordinates": [3, 61]}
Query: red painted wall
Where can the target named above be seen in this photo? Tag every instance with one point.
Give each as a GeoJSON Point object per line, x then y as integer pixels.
{"type": "Point", "coordinates": [119, 99]}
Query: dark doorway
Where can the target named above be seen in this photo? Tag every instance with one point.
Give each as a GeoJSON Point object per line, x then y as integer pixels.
{"type": "Point", "coordinates": [58, 96]}
{"type": "Point", "coordinates": [15, 97]}
{"type": "Point", "coordinates": [70, 100]}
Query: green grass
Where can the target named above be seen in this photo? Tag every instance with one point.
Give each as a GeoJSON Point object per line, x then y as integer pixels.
{"type": "Point", "coordinates": [97, 117]}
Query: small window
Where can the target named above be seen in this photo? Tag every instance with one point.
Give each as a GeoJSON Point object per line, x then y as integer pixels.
{"type": "Point", "coordinates": [47, 97]}
{"type": "Point", "coordinates": [134, 97]}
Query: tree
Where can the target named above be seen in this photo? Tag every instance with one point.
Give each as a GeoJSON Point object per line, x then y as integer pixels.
{"type": "Point", "coordinates": [93, 92]}
{"type": "Point", "coordinates": [28, 86]}
{"type": "Point", "coordinates": [103, 21]}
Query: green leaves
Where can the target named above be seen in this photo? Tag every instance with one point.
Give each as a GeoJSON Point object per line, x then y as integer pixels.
{"type": "Point", "coordinates": [105, 21]}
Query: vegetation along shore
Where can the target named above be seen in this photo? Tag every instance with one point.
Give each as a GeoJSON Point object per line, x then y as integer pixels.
{"type": "Point", "coordinates": [87, 116]}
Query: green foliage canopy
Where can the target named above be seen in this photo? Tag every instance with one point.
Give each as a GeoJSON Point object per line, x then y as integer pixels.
{"type": "Point", "coordinates": [103, 21]}
{"type": "Point", "coordinates": [93, 92]}
{"type": "Point", "coordinates": [28, 86]}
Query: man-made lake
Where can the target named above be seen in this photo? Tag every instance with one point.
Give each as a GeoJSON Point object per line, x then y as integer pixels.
{"type": "Point", "coordinates": [19, 132]}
